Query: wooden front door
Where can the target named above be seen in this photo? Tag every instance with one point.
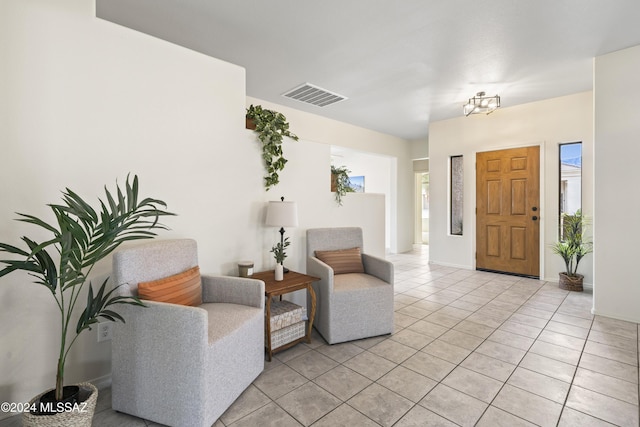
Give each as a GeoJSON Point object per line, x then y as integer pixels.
{"type": "Point", "coordinates": [508, 211]}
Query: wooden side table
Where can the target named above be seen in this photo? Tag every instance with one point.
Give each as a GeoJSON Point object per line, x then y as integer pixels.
{"type": "Point", "coordinates": [293, 281]}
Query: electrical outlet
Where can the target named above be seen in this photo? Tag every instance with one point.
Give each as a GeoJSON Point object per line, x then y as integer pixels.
{"type": "Point", "coordinates": [105, 331]}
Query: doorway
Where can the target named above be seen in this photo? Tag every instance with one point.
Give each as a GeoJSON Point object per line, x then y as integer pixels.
{"type": "Point", "coordinates": [507, 211]}
{"type": "Point", "coordinates": [422, 208]}
{"type": "Point", "coordinates": [421, 204]}
{"type": "Point", "coordinates": [379, 175]}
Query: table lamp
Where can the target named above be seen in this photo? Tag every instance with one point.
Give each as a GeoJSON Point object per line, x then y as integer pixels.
{"type": "Point", "coordinates": [282, 214]}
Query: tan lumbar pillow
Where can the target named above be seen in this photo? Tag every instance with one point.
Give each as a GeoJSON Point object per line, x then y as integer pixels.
{"type": "Point", "coordinates": [183, 288]}
{"type": "Point", "coordinates": [342, 261]}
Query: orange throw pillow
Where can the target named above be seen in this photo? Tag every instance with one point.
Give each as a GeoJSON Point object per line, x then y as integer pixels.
{"type": "Point", "coordinates": [342, 261]}
{"type": "Point", "coordinates": [183, 288]}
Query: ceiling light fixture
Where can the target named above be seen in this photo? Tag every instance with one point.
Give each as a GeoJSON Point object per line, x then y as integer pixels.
{"type": "Point", "coordinates": [481, 104]}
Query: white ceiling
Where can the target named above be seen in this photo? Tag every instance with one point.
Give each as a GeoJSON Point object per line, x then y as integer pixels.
{"type": "Point", "coordinates": [401, 63]}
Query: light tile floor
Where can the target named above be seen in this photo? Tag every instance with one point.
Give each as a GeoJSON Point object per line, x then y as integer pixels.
{"type": "Point", "coordinates": [469, 348]}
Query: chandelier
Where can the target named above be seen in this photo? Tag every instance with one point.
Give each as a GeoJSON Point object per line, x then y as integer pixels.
{"type": "Point", "coordinates": [481, 104]}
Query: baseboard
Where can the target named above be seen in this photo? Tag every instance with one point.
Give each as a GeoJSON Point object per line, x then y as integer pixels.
{"type": "Point", "coordinates": [613, 316]}
{"type": "Point", "coordinates": [587, 287]}
{"type": "Point", "coordinates": [447, 264]}
{"type": "Point", "coordinates": [101, 382]}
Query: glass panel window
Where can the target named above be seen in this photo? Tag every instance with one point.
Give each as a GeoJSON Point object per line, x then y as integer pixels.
{"type": "Point", "coordinates": [425, 207]}
{"type": "Point", "coordinates": [456, 193]}
{"type": "Point", "coordinates": [570, 190]}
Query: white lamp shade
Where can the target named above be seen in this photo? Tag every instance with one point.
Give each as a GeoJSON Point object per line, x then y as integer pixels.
{"type": "Point", "coordinates": [282, 214]}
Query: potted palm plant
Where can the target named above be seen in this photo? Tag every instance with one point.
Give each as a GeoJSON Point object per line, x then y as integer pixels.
{"type": "Point", "coordinates": [80, 237]}
{"type": "Point", "coordinates": [572, 247]}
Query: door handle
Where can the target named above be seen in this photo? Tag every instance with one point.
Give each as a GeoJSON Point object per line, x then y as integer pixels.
{"type": "Point", "coordinates": [535, 208]}
{"type": "Point", "coordinates": [535, 218]}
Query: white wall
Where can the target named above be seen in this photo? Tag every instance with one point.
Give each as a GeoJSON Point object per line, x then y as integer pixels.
{"type": "Point", "coordinates": [616, 233]}
{"type": "Point", "coordinates": [419, 148]}
{"type": "Point", "coordinates": [83, 102]}
{"type": "Point", "coordinates": [327, 131]}
{"type": "Point", "coordinates": [376, 170]}
{"type": "Point", "coordinates": [545, 123]}
{"type": "Point", "coordinates": [306, 180]}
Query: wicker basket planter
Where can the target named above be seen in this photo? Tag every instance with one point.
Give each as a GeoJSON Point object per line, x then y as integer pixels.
{"type": "Point", "coordinates": [76, 418]}
{"type": "Point", "coordinates": [571, 283]}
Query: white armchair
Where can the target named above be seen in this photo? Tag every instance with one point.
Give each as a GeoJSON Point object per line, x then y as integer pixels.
{"type": "Point", "coordinates": [349, 306]}
{"type": "Point", "coordinates": [181, 365]}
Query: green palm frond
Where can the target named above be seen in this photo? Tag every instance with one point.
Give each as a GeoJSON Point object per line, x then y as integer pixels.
{"type": "Point", "coordinates": [81, 237]}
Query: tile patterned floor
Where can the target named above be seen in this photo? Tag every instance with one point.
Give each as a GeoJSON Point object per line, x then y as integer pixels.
{"type": "Point", "coordinates": [469, 349]}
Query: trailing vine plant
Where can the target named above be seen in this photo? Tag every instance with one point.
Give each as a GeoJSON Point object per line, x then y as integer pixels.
{"type": "Point", "coordinates": [271, 128]}
{"type": "Point", "coordinates": [340, 178]}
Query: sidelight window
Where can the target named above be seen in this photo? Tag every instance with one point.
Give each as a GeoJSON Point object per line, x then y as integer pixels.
{"type": "Point", "coordinates": [455, 195]}
{"type": "Point", "coordinates": [570, 190]}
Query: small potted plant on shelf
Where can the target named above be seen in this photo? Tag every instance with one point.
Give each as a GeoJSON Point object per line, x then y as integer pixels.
{"type": "Point", "coordinates": [271, 128]}
{"type": "Point", "coordinates": [80, 237]}
{"type": "Point", "coordinates": [572, 247]}
{"type": "Point", "coordinates": [279, 254]}
{"type": "Point", "coordinates": [340, 183]}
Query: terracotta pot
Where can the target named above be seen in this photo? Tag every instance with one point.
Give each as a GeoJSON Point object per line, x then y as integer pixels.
{"type": "Point", "coordinates": [571, 283]}
{"type": "Point", "coordinates": [249, 123]}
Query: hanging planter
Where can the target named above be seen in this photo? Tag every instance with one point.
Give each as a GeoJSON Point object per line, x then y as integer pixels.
{"type": "Point", "coordinates": [271, 128]}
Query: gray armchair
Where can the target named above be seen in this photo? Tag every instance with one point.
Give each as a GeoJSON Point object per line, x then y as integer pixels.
{"type": "Point", "coordinates": [353, 305]}
{"type": "Point", "coordinates": [180, 365]}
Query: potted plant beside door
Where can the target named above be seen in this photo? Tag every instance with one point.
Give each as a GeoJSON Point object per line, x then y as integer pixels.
{"type": "Point", "coordinates": [572, 247]}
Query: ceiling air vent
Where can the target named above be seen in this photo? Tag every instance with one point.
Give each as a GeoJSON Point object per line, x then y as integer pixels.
{"type": "Point", "coordinates": [314, 95]}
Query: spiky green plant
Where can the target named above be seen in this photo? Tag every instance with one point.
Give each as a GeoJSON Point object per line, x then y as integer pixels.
{"type": "Point", "coordinates": [572, 247]}
{"type": "Point", "coordinates": [279, 250]}
{"type": "Point", "coordinates": [81, 237]}
{"type": "Point", "coordinates": [271, 128]}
